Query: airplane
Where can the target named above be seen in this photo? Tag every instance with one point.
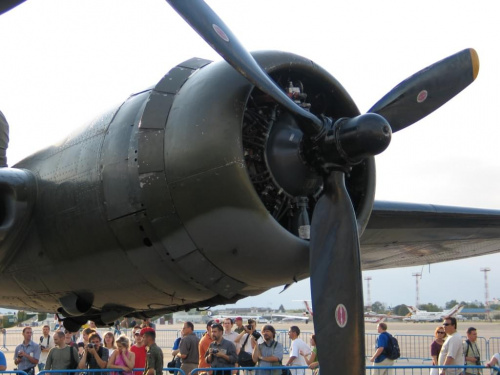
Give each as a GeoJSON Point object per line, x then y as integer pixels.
{"type": "Point", "coordinates": [176, 199]}
{"type": "Point", "coordinates": [257, 318]}
{"type": "Point", "coordinates": [434, 316]}
{"type": "Point", "coordinates": [369, 316]}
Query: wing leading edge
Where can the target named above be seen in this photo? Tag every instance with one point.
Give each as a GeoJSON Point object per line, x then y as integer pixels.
{"type": "Point", "coordinates": [408, 234]}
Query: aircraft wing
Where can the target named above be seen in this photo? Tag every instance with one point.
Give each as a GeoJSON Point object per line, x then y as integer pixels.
{"type": "Point", "coordinates": [408, 234]}
{"type": "Point", "coordinates": [291, 317]}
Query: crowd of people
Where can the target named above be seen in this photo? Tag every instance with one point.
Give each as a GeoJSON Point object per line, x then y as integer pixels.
{"type": "Point", "coordinates": [447, 349]}
{"type": "Point", "coordinates": [225, 346]}
{"type": "Point", "coordinates": [64, 350]}
{"type": "Point", "coordinates": [221, 346]}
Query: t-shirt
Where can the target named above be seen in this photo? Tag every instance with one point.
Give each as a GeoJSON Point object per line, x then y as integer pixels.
{"type": "Point", "coordinates": [48, 342]}
{"type": "Point", "coordinates": [154, 359]}
{"type": "Point", "coordinates": [382, 342]}
{"type": "Point", "coordinates": [140, 357]}
{"type": "Point", "coordinates": [435, 348]}
{"type": "Point", "coordinates": [3, 360]}
{"type": "Point", "coordinates": [202, 349]}
{"type": "Point", "coordinates": [60, 359]}
{"type": "Point", "coordinates": [189, 347]}
{"type": "Point", "coordinates": [298, 345]}
{"type": "Point", "coordinates": [92, 363]}
{"type": "Point", "coordinates": [453, 348]}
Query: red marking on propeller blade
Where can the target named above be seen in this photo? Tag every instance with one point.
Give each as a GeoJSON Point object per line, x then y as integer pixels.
{"type": "Point", "coordinates": [220, 33]}
{"type": "Point", "coordinates": [422, 95]}
{"type": "Point", "coordinates": [341, 315]}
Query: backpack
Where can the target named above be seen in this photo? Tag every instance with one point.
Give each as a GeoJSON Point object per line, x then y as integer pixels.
{"type": "Point", "coordinates": [392, 350]}
{"type": "Point", "coordinates": [73, 361]}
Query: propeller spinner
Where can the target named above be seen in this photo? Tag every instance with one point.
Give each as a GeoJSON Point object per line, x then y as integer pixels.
{"type": "Point", "coordinates": [332, 147]}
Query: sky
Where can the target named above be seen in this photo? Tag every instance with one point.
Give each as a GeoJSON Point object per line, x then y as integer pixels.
{"type": "Point", "coordinates": [63, 62]}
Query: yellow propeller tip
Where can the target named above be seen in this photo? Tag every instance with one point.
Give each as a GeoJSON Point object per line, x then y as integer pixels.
{"type": "Point", "coordinates": [475, 62]}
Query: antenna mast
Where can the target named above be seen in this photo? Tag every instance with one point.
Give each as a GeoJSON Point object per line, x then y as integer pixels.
{"type": "Point", "coordinates": [417, 276]}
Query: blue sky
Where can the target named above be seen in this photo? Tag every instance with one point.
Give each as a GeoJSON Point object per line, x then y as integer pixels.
{"type": "Point", "coordinates": [64, 61]}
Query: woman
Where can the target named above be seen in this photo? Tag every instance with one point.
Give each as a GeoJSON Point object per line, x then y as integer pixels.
{"type": "Point", "coordinates": [85, 335]}
{"type": "Point", "coordinates": [122, 358]}
{"type": "Point", "coordinates": [436, 346]}
{"type": "Point", "coordinates": [109, 342]}
{"type": "Point", "coordinates": [312, 360]}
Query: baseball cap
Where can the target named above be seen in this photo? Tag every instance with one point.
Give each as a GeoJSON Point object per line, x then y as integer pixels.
{"type": "Point", "coordinates": [238, 318]}
{"type": "Point", "coordinates": [146, 329]}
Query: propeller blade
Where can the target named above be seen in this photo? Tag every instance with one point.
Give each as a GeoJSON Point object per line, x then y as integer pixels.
{"type": "Point", "coordinates": [211, 28]}
{"type": "Point", "coordinates": [427, 90]}
{"type": "Point", "coordinates": [336, 286]}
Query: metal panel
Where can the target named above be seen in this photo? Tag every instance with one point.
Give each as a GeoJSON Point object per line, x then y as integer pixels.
{"type": "Point", "coordinates": [118, 161]}
{"type": "Point", "coordinates": [157, 110]}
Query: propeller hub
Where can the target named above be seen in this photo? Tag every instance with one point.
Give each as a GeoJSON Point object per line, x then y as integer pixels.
{"type": "Point", "coordinates": [350, 140]}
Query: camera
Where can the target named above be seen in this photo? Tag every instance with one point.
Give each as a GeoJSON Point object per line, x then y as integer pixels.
{"type": "Point", "coordinates": [90, 346]}
{"type": "Point", "coordinates": [215, 351]}
{"type": "Point", "coordinates": [256, 335]}
{"type": "Point", "coordinates": [42, 347]}
{"type": "Point", "coordinates": [249, 327]}
{"type": "Point", "coordinates": [478, 361]}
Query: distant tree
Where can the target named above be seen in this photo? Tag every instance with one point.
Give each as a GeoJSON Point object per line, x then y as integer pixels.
{"type": "Point", "coordinates": [451, 303]}
{"type": "Point", "coordinates": [42, 317]}
{"type": "Point", "coordinates": [429, 307]}
{"type": "Point", "coordinates": [378, 307]}
{"type": "Point", "coordinates": [282, 309]}
{"type": "Point", "coordinates": [21, 316]}
{"type": "Point", "coordinates": [400, 310]}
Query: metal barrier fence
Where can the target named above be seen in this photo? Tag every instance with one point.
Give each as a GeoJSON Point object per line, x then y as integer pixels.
{"type": "Point", "coordinates": [493, 346]}
{"type": "Point", "coordinates": [370, 370]}
{"type": "Point", "coordinates": [412, 346]}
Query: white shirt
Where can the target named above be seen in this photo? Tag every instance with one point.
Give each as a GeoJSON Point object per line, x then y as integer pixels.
{"type": "Point", "coordinates": [48, 342]}
{"type": "Point", "coordinates": [453, 348]}
{"type": "Point", "coordinates": [297, 346]}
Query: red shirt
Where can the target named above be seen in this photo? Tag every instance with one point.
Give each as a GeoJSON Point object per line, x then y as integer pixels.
{"type": "Point", "coordinates": [140, 358]}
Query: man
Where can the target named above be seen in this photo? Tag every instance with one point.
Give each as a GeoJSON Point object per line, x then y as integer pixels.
{"type": "Point", "coordinates": [221, 352]}
{"type": "Point", "coordinates": [154, 356]}
{"type": "Point", "coordinates": [298, 346]}
{"type": "Point", "coordinates": [149, 323]}
{"type": "Point", "coordinates": [269, 353]}
{"type": "Point", "coordinates": [229, 334]}
{"type": "Point", "coordinates": [139, 349]}
{"type": "Point", "coordinates": [188, 349]}
{"type": "Point", "coordinates": [205, 342]}
{"type": "Point", "coordinates": [95, 356]}
{"type": "Point", "coordinates": [471, 352]}
{"type": "Point", "coordinates": [452, 352]}
{"type": "Point", "coordinates": [45, 345]}
{"type": "Point", "coordinates": [61, 357]}
{"type": "Point", "coordinates": [69, 338]}
{"type": "Point", "coordinates": [239, 325]}
{"type": "Point", "coordinates": [381, 345]}
{"type": "Point", "coordinates": [242, 337]}
{"type": "Point", "coordinates": [27, 354]}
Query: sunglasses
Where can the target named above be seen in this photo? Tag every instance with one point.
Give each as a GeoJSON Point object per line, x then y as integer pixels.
{"type": "Point", "coordinates": [441, 333]}
{"type": "Point", "coordinates": [446, 324]}
{"type": "Point", "coordinates": [137, 334]}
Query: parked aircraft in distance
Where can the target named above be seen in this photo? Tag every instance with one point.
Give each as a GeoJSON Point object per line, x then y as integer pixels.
{"type": "Point", "coordinates": [431, 316]}
{"type": "Point", "coordinates": [257, 318]}
{"type": "Point", "coordinates": [369, 316]}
